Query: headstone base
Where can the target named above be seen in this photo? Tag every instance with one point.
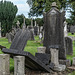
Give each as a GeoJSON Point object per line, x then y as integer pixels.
{"type": "Point", "coordinates": [60, 68]}
{"type": "Point", "coordinates": [65, 62]}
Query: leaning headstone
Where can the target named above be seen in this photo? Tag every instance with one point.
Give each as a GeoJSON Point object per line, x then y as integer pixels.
{"type": "Point", "coordinates": [4, 64]}
{"type": "Point", "coordinates": [19, 65]}
{"type": "Point", "coordinates": [69, 46]}
{"type": "Point", "coordinates": [21, 37]}
{"type": "Point", "coordinates": [54, 30]}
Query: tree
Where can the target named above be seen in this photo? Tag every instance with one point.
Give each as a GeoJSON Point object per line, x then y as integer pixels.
{"type": "Point", "coordinates": [39, 21]}
{"type": "Point", "coordinates": [7, 14]}
{"type": "Point", "coordinates": [37, 7]}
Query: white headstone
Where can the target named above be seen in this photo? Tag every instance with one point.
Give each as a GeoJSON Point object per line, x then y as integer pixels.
{"type": "Point", "coordinates": [65, 29]}
{"type": "Point", "coordinates": [35, 23]}
{"type": "Point", "coordinates": [40, 35]}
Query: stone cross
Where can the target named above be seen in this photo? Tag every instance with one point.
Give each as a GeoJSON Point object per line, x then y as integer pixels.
{"type": "Point", "coordinates": [18, 23]}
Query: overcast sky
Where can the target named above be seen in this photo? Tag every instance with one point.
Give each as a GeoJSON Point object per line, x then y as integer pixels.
{"type": "Point", "coordinates": [23, 7]}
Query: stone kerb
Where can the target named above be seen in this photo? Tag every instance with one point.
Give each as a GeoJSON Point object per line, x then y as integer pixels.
{"type": "Point", "coordinates": [41, 49]}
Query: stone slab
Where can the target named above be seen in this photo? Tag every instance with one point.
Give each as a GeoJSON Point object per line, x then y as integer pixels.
{"type": "Point", "coordinates": [45, 58]}
{"type": "Point", "coordinates": [60, 68]}
{"type": "Point", "coordinates": [73, 61]}
{"type": "Point", "coordinates": [65, 62]}
{"type": "Point", "coordinates": [32, 62]}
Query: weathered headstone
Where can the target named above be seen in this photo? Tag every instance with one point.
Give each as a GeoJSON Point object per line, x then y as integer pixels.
{"type": "Point", "coordinates": [54, 30]}
{"type": "Point", "coordinates": [21, 38]}
{"type": "Point", "coordinates": [72, 29]}
{"type": "Point", "coordinates": [69, 46]}
{"type": "Point", "coordinates": [35, 29]}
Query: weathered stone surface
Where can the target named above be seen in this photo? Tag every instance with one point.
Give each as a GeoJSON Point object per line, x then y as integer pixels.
{"type": "Point", "coordinates": [60, 68]}
{"type": "Point", "coordinates": [35, 30]}
{"type": "Point", "coordinates": [19, 65]}
{"type": "Point", "coordinates": [73, 61]}
{"type": "Point", "coordinates": [31, 35]}
{"type": "Point", "coordinates": [54, 56]}
{"type": "Point", "coordinates": [41, 49]}
{"type": "Point", "coordinates": [4, 64]}
{"type": "Point", "coordinates": [45, 58]}
{"type": "Point", "coordinates": [69, 46]}
{"type": "Point", "coordinates": [32, 62]}
{"type": "Point", "coordinates": [65, 62]}
{"type": "Point", "coordinates": [54, 31]}
{"type": "Point", "coordinates": [20, 39]}
{"type": "Point", "coordinates": [72, 29]}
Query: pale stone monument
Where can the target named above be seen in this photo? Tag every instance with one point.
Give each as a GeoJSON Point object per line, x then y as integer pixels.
{"type": "Point", "coordinates": [4, 64]}
{"type": "Point", "coordinates": [65, 29]}
{"type": "Point", "coordinates": [19, 65]}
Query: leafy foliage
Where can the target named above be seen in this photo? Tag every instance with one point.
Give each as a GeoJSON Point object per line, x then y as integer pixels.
{"type": "Point", "coordinates": [37, 7]}
{"type": "Point", "coordinates": [7, 14]}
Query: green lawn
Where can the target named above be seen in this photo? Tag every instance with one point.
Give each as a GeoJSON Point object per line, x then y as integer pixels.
{"type": "Point", "coordinates": [30, 47]}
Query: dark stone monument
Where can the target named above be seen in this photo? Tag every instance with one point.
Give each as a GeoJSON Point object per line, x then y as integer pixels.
{"type": "Point", "coordinates": [72, 29]}
{"type": "Point", "coordinates": [35, 29]}
{"type": "Point", "coordinates": [54, 30]}
{"type": "Point", "coordinates": [69, 46]}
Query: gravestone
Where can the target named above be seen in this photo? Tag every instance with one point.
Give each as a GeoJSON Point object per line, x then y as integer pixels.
{"type": "Point", "coordinates": [35, 29]}
{"type": "Point", "coordinates": [0, 29]}
{"type": "Point", "coordinates": [31, 30]}
{"type": "Point", "coordinates": [69, 46]}
{"type": "Point", "coordinates": [65, 29]}
{"type": "Point", "coordinates": [21, 38]}
{"type": "Point", "coordinates": [72, 29]}
{"type": "Point", "coordinates": [18, 27]}
{"type": "Point", "coordinates": [54, 30]}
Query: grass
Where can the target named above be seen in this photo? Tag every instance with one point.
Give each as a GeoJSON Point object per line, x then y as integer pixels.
{"type": "Point", "coordinates": [30, 47]}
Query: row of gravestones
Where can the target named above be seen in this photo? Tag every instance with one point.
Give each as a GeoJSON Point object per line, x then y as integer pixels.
{"type": "Point", "coordinates": [55, 52]}
{"type": "Point", "coordinates": [33, 31]}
